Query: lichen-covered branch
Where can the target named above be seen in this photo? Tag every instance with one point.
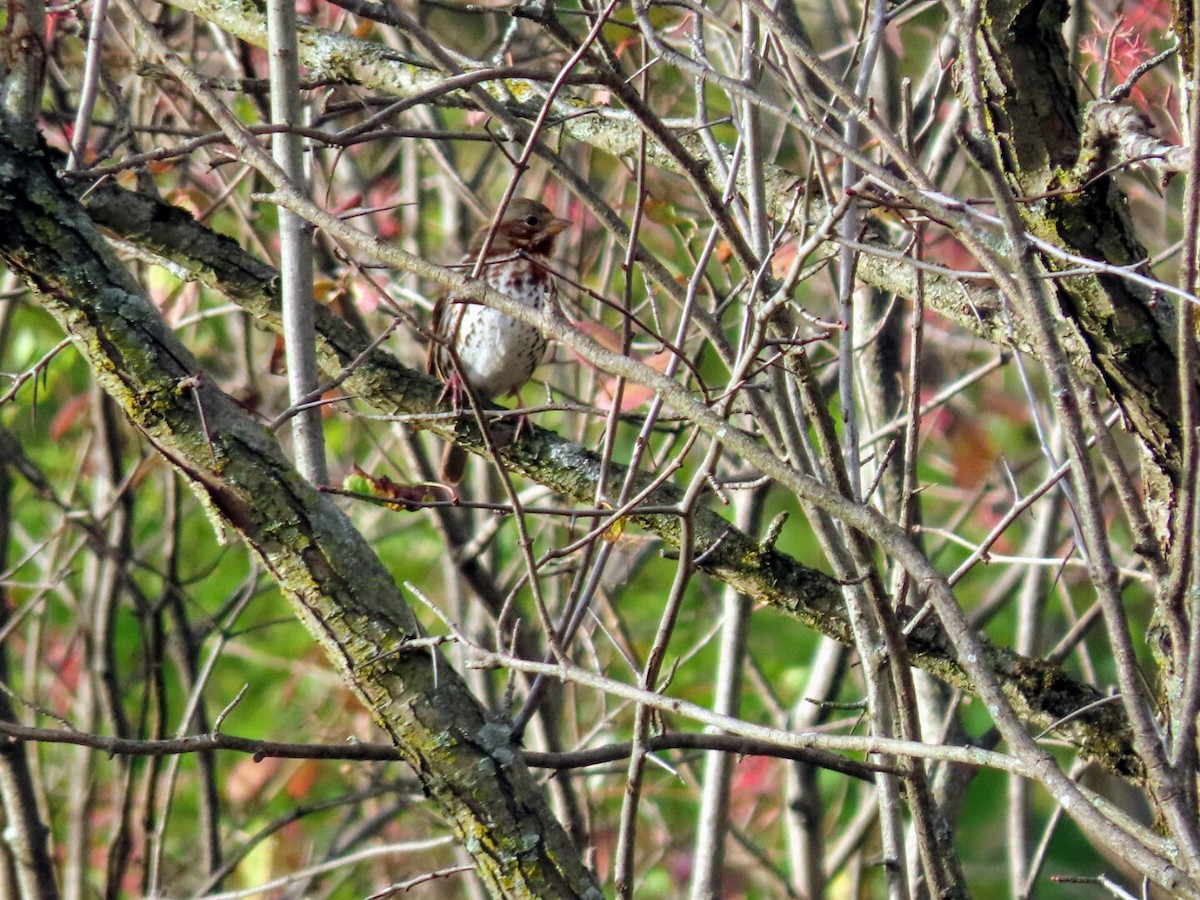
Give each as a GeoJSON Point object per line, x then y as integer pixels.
{"type": "Point", "coordinates": [1122, 137]}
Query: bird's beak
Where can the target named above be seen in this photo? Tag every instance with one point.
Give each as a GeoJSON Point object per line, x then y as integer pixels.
{"type": "Point", "coordinates": [557, 226]}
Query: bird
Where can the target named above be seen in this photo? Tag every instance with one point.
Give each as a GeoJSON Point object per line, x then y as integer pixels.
{"type": "Point", "coordinates": [496, 353]}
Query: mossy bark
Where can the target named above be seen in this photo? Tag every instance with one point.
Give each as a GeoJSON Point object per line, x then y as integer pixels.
{"type": "Point", "coordinates": [1034, 117]}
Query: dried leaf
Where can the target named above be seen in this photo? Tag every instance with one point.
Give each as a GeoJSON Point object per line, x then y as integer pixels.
{"type": "Point", "coordinates": [406, 497]}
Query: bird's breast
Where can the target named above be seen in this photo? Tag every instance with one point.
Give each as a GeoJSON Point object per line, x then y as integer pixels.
{"type": "Point", "coordinates": [498, 353]}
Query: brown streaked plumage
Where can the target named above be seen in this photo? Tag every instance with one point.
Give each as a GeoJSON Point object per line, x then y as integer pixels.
{"type": "Point", "coordinates": [496, 353]}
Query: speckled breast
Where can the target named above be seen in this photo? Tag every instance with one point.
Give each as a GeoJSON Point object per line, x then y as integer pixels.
{"type": "Point", "coordinates": [499, 354]}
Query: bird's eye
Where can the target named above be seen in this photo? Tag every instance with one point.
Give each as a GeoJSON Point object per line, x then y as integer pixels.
{"type": "Point", "coordinates": [532, 221]}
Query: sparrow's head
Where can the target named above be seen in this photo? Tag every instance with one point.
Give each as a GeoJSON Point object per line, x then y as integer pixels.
{"type": "Point", "coordinates": [527, 225]}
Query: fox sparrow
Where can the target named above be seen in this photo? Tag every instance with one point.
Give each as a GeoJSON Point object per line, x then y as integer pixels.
{"type": "Point", "coordinates": [496, 354]}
